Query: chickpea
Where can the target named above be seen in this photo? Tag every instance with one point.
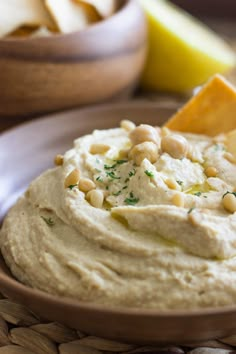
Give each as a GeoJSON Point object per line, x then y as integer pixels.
{"type": "Point", "coordinates": [172, 184]}
{"type": "Point", "coordinates": [178, 200]}
{"type": "Point", "coordinates": [99, 148]}
{"type": "Point", "coordinates": [96, 198]}
{"type": "Point", "coordinates": [147, 150]}
{"type": "Point", "coordinates": [127, 125]}
{"type": "Point", "coordinates": [86, 185]}
{"type": "Point", "coordinates": [229, 202]}
{"type": "Point", "coordinates": [211, 171]}
{"type": "Point", "coordinates": [165, 131]}
{"type": "Point", "coordinates": [73, 178]}
{"type": "Point", "coordinates": [230, 157]}
{"type": "Point", "coordinates": [143, 133]}
{"type": "Point", "coordinates": [59, 160]}
{"type": "Point", "coordinates": [175, 145]}
{"type": "Point", "coordinates": [123, 153]}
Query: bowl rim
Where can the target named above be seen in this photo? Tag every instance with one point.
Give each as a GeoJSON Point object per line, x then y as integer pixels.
{"type": "Point", "coordinates": [126, 5]}
{"type": "Point", "coordinates": [12, 284]}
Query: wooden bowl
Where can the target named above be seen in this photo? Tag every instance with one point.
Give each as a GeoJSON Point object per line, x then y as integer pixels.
{"type": "Point", "coordinates": [49, 74]}
{"type": "Point", "coordinates": [29, 153]}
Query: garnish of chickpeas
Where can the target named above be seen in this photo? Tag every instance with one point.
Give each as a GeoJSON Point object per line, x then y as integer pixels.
{"type": "Point", "coordinates": [86, 185]}
{"type": "Point", "coordinates": [73, 178]}
{"type": "Point", "coordinates": [95, 198]}
{"type": "Point", "coordinates": [175, 145]}
{"type": "Point", "coordinates": [147, 150]}
{"type": "Point", "coordinates": [211, 171]}
{"type": "Point", "coordinates": [144, 133]}
{"type": "Point", "coordinates": [99, 149]}
{"type": "Point", "coordinates": [127, 125]}
{"type": "Point", "coordinates": [230, 157]}
{"type": "Point", "coordinates": [229, 202]}
{"type": "Point", "coordinates": [178, 200]}
{"type": "Point", "coordinates": [59, 160]}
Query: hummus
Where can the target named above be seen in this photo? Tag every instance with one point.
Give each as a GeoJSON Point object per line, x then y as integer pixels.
{"type": "Point", "coordinates": [151, 231]}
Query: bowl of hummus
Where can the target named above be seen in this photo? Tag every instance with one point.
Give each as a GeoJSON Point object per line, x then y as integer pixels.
{"type": "Point", "coordinates": [135, 226]}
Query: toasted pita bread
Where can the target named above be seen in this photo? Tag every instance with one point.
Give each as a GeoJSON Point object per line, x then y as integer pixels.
{"type": "Point", "coordinates": [70, 16]}
{"type": "Point", "coordinates": [105, 8]}
{"type": "Point", "coordinates": [23, 31]}
{"type": "Point", "coordinates": [212, 111]}
{"type": "Point", "coordinates": [91, 12]}
{"type": "Point", "coordinates": [17, 13]}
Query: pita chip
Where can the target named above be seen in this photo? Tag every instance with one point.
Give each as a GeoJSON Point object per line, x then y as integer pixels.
{"type": "Point", "coordinates": [212, 111]}
{"type": "Point", "coordinates": [17, 13]}
{"type": "Point", "coordinates": [105, 8]}
{"type": "Point", "coordinates": [69, 16]}
{"type": "Point", "coordinates": [23, 31]}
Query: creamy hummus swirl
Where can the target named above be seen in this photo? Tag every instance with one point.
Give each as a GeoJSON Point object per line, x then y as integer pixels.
{"type": "Point", "coordinates": [139, 249]}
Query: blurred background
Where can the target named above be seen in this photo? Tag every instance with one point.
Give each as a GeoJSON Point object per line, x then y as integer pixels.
{"type": "Point", "coordinates": [195, 49]}
{"type": "Point", "coordinates": [213, 8]}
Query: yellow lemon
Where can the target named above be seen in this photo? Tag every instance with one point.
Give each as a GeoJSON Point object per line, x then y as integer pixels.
{"type": "Point", "coordinates": [183, 53]}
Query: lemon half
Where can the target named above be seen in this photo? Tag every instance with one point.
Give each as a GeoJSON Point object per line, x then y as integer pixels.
{"type": "Point", "coordinates": [183, 52]}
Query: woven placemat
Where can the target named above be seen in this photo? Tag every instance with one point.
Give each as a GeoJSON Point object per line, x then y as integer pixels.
{"type": "Point", "coordinates": [23, 332]}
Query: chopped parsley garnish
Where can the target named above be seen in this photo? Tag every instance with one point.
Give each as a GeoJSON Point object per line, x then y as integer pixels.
{"type": "Point", "coordinates": [107, 167]}
{"type": "Point", "coordinates": [117, 193]}
{"type": "Point", "coordinates": [48, 221]}
{"type": "Point", "coordinates": [190, 210]}
{"type": "Point", "coordinates": [180, 182]}
{"type": "Point", "coordinates": [198, 194]}
{"type": "Point", "coordinates": [112, 175]}
{"type": "Point", "coordinates": [125, 187]}
{"type": "Point", "coordinates": [132, 173]}
{"type": "Point", "coordinates": [72, 186]}
{"type": "Point", "coordinates": [234, 193]}
{"type": "Point", "coordinates": [132, 200]}
{"type": "Point", "coordinates": [120, 162]}
{"type": "Point", "coordinates": [127, 180]}
{"type": "Point", "coordinates": [107, 187]}
{"type": "Point", "coordinates": [149, 173]}
{"type": "Point", "coordinates": [117, 162]}
{"type": "Point", "coordinates": [99, 179]}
